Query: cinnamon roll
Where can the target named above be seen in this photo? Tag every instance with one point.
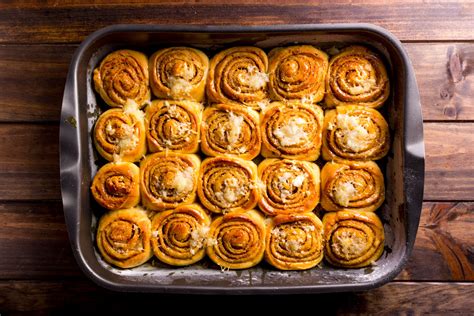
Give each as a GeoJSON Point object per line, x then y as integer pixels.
{"type": "Point", "coordinates": [179, 236]}
{"type": "Point", "coordinates": [237, 240]}
{"type": "Point", "coordinates": [228, 184]}
{"type": "Point", "coordinates": [179, 73]}
{"type": "Point", "coordinates": [352, 185]}
{"type": "Point", "coordinates": [294, 241]}
{"type": "Point", "coordinates": [238, 75]}
{"type": "Point", "coordinates": [123, 76]}
{"type": "Point", "coordinates": [297, 73]}
{"type": "Point", "coordinates": [356, 76]}
{"type": "Point", "coordinates": [116, 185]}
{"type": "Point", "coordinates": [173, 125]}
{"type": "Point", "coordinates": [231, 129]}
{"type": "Point", "coordinates": [354, 239]}
{"type": "Point", "coordinates": [288, 186]}
{"type": "Point", "coordinates": [355, 133]}
{"type": "Point", "coordinates": [123, 237]}
{"type": "Point", "coordinates": [168, 180]}
{"type": "Point", "coordinates": [292, 130]}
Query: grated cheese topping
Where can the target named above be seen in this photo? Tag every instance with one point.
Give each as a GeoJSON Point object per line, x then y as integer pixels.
{"type": "Point", "coordinates": [231, 191]}
{"type": "Point", "coordinates": [350, 244]}
{"type": "Point", "coordinates": [353, 133]}
{"type": "Point", "coordinates": [235, 127]}
{"type": "Point", "coordinates": [183, 180]}
{"type": "Point", "coordinates": [253, 78]}
{"type": "Point", "coordinates": [132, 108]}
{"type": "Point", "coordinates": [362, 83]}
{"type": "Point", "coordinates": [344, 193]}
{"type": "Point", "coordinates": [198, 239]}
{"type": "Point", "coordinates": [291, 133]}
{"type": "Point", "coordinates": [179, 87]}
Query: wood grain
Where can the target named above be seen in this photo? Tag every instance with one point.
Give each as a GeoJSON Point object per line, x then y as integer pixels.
{"type": "Point", "coordinates": [41, 71]}
{"type": "Point", "coordinates": [72, 23]}
{"type": "Point", "coordinates": [83, 297]}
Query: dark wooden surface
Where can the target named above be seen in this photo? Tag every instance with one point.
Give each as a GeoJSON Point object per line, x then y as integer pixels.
{"type": "Point", "coordinates": [38, 273]}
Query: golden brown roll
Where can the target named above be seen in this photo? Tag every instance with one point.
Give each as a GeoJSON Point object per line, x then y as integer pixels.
{"type": "Point", "coordinates": [119, 134]}
{"type": "Point", "coordinates": [294, 241]}
{"type": "Point", "coordinates": [179, 236]}
{"type": "Point", "coordinates": [291, 130]}
{"type": "Point", "coordinates": [297, 73]}
{"type": "Point", "coordinates": [288, 186]}
{"type": "Point", "coordinates": [354, 239]}
{"type": "Point", "coordinates": [179, 73]}
{"type": "Point", "coordinates": [356, 76]}
{"type": "Point", "coordinates": [237, 240]}
{"type": "Point", "coordinates": [168, 180]}
{"type": "Point", "coordinates": [123, 237]}
{"type": "Point", "coordinates": [238, 75]}
{"type": "Point", "coordinates": [355, 133]}
{"type": "Point", "coordinates": [228, 184]}
{"type": "Point", "coordinates": [352, 185]}
{"type": "Point", "coordinates": [232, 130]}
{"type": "Point", "coordinates": [173, 125]}
{"type": "Point", "coordinates": [123, 76]}
{"type": "Point", "coordinates": [116, 185]}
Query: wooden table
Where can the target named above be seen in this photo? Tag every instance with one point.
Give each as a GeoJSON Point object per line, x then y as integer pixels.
{"type": "Point", "coordinates": [37, 270]}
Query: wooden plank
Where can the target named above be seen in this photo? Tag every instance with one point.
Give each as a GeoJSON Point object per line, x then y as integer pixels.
{"type": "Point", "coordinates": [33, 77]}
{"type": "Point", "coordinates": [72, 23]}
{"type": "Point", "coordinates": [83, 297]}
{"type": "Point", "coordinates": [34, 243]}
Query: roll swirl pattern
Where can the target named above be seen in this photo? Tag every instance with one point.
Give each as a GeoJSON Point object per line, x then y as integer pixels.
{"type": "Point", "coordinates": [237, 240]}
{"type": "Point", "coordinates": [123, 237]}
{"type": "Point", "coordinates": [231, 130]}
{"type": "Point", "coordinates": [238, 75]}
{"type": "Point", "coordinates": [355, 133]}
{"type": "Point", "coordinates": [352, 185]}
{"type": "Point", "coordinates": [179, 73]}
{"type": "Point", "coordinates": [179, 236]}
{"type": "Point", "coordinates": [173, 125]}
{"type": "Point", "coordinates": [297, 72]}
{"type": "Point", "coordinates": [294, 241]}
{"type": "Point", "coordinates": [356, 76]}
{"type": "Point", "coordinates": [292, 130]}
{"type": "Point", "coordinates": [288, 186]}
{"type": "Point", "coordinates": [228, 184]}
{"type": "Point", "coordinates": [123, 76]}
{"type": "Point", "coordinates": [354, 239]}
{"type": "Point", "coordinates": [117, 185]}
{"type": "Point", "coordinates": [119, 134]}
{"type": "Point", "coordinates": [168, 180]}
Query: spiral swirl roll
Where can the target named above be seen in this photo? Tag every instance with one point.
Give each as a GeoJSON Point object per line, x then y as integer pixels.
{"type": "Point", "coordinates": [123, 237]}
{"type": "Point", "coordinates": [179, 236]}
{"type": "Point", "coordinates": [179, 73]}
{"type": "Point", "coordinates": [168, 180]}
{"type": "Point", "coordinates": [292, 130]}
{"type": "Point", "coordinates": [123, 76]}
{"type": "Point", "coordinates": [237, 240]}
{"type": "Point", "coordinates": [356, 76]}
{"type": "Point", "coordinates": [119, 134]}
{"type": "Point", "coordinates": [173, 125]}
{"type": "Point", "coordinates": [228, 184]}
{"type": "Point", "coordinates": [294, 241]}
{"type": "Point", "coordinates": [116, 185]}
{"type": "Point", "coordinates": [231, 129]}
{"type": "Point", "coordinates": [352, 185]}
{"type": "Point", "coordinates": [297, 72]}
{"type": "Point", "coordinates": [288, 186]}
{"type": "Point", "coordinates": [354, 239]}
{"type": "Point", "coordinates": [355, 133]}
{"type": "Point", "coordinates": [238, 75]}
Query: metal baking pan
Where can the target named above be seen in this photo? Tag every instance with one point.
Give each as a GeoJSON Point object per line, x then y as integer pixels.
{"type": "Point", "coordinates": [404, 166]}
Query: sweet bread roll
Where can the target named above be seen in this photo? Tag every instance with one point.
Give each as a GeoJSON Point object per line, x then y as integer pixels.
{"type": "Point", "coordinates": [116, 185]}
{"type": "Point", "coordinates": [288, 186]}
{"type": "Point", "coordinates": [123, 76]}
{"type": "Point", "coordinates": [173, 125]}
{"type": "Point", "coordinates": [231, 130]}
{"type": "Point", "coordinates": [297, 73]}
{"type": "Point", "coordinates": [123, 237]}
{"type": "Point", "coordinates": [291, 130]}
{"type": "Point", "coordinates": [356, 76]}
{"type": "Point", "coordinates": [179, 73]}
{"type": "Point", "coordinates": [168, 180]}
